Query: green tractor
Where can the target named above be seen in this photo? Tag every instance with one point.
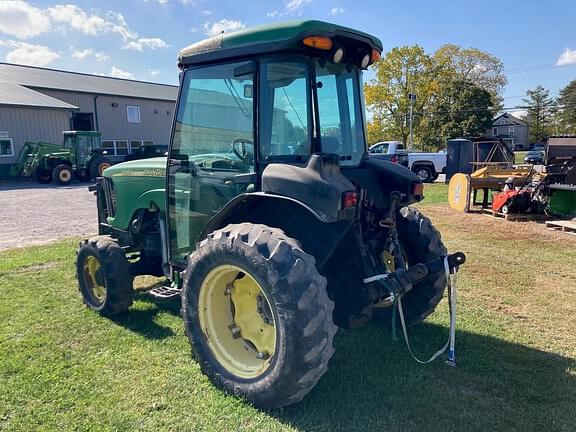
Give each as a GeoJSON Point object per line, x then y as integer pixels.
{"type": "Point", "coordinates": [81, 155]}
{"type": "Point", "coordinates": [268, 218]}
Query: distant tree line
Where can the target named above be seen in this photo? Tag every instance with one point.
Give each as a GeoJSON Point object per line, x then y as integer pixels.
{"type": "Point", "coordinates": [549, 116]}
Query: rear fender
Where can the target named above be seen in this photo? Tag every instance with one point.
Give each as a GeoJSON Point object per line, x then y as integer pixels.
{"type": "Point", "coordinates": [318, 236]}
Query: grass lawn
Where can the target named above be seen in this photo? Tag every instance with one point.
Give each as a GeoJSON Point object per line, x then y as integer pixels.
{"type": "Point", "coordinates": [519, 157]}
{"type": "Point", "coordinates": [63, 367]}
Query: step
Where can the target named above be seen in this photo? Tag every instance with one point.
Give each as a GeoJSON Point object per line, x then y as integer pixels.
{"type": "Point", "coordinates": [164, 292]}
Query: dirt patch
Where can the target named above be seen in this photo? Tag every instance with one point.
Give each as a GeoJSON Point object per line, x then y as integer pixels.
{"type": "Point", "coordinates": [519, 270]}
{"type": "Point", "coordinates": [36, 268]}
{"type": "Point", "coordinates": [479, 224]}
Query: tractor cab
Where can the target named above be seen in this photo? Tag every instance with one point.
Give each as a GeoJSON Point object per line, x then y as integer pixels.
{"type": "Point", "coordinates": [272, 95]}
{"type": "Point", "coordinates": [83, 146]}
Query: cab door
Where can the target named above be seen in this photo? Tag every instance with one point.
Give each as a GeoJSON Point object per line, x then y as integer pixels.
{"type": "Point", "coordinates": [211, 148]}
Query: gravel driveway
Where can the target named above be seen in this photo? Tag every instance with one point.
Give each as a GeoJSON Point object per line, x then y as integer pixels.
{"type": "Point", "coordinates": [35, 214]}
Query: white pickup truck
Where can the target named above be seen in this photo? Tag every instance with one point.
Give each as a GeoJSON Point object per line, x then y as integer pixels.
{"type": "Point", "coordinates": [427, 166]}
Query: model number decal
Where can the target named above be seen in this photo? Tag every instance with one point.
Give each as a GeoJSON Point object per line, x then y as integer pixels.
{"type": "Point", "coordinates": [155, 172]}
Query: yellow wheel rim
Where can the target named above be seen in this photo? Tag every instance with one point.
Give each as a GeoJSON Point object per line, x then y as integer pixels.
{"type": "Point", "coordinates": [102, 167]}
{"type": "Point", "coordinates": [95, 286]}
{"type": "Point", "coordinates": [237, 321]}
{"type": "Point", "coordinates": [65, 175]}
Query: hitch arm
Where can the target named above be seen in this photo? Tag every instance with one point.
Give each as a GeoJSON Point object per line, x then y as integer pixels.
{"type": "Point", "coordinates": [402, 281]}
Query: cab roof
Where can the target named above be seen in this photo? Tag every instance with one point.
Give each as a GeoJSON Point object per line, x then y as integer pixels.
{"type": "Point", "coordinates": [268, 38]}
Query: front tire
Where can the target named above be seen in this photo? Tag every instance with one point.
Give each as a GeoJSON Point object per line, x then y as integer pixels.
{"type": "Point", "coordinates": [41, 175]}
{"type": "Point", "coordinates": [62, 175]}
{"type": "Point", "coordinates": [272, 350]}
{"type": "Point", "coordinates": [104, 277]}
{"type": "Point", "coordinates": [420, 243]}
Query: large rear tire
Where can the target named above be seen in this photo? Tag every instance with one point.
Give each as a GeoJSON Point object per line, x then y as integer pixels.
{"type": "Point", "coordinates": [420, 243]}
{"type": "Point", "coordinates": [257, 314]}
{"type": "Point", "coordinates": [104, 277]}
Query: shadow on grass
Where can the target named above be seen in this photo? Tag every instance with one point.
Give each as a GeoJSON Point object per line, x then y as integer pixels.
{"type": "Point", "coordinates": [373, 385]}
{"type": "Point", "coordinates": [141, 320]}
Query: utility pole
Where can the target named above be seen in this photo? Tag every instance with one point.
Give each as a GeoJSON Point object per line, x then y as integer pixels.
{"type": "Point", "coordinates": [411, 98]}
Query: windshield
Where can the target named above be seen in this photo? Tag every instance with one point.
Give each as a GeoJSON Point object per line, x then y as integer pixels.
{"type": "Point", "coordinates": [340, 110]}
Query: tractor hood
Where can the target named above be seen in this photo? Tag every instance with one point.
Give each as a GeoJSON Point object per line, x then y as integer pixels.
{"type": "Point", "coordinates": [153, 167]}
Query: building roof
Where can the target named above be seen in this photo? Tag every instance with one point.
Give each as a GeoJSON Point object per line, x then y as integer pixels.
{"type": "Point", "coordinates": [42, 78]}
{"type": "Point", "coordinates": [511, 118]}
{"type": "Point", "coordinates": [16, 95]}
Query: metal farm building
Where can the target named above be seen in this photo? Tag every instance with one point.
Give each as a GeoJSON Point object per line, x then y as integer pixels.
{"type": "Point", "coordinates": [38, 104]}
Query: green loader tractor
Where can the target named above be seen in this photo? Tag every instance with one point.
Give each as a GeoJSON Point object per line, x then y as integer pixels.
{"type": "Point", "coordinates": [268, 218]}
{"type": "Point", "coordinates": [81, 155]}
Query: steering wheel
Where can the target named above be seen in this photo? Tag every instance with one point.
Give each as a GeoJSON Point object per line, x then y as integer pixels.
{"type": "Point", "coordinates": [241, 147]}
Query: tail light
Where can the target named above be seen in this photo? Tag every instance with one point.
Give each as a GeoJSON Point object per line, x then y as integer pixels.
{"type": "Point", "coordinates": [418, 188]}
{"type": "Point", "coordinates": [394, 159]}
{"type": "Point", "coordinates": [318, 42]}
{"type": "Point", "coordinates": [349, 199]}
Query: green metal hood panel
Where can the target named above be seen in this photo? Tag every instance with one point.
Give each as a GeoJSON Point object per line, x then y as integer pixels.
{"type": "Point", "coordinates": [153, 167]}
{"type": "Point", "coordinates": [272, 36]}
{"type": "Point", "coordinates": [139, 185]}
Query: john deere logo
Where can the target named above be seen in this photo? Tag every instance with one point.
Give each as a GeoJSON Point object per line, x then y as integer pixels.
{"type": "Point", "coordinates": [155, 172]}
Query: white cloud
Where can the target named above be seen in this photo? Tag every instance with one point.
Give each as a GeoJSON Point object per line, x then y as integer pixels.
{"type": "Point", "coordinates": [141, 43]}
{"type": "Point", "coordinates": [93, 25]}
{"type": "Point", "coordinates": [89, 52]}
{"type": "Point", "coordinates": [119, 73]}
{"type": "Point", "coordinates": [337, 11]}
{"type": "Point", "coordinates": [29, 54]}
{"type": "Point", "coordinates": [291, 7]}
{"type": "Point", "coordinates": [568, 57]}
{"type": "Point", "coordinates": [153, 72]}
{"type": "Point", "coordinates": [206, 12]}
{"type": "Point", "coordinates": [294, 6]}
{"type": "Point", "coordinates": [223, 26]}
{"type": "Point", "coordinates": [19, 19]}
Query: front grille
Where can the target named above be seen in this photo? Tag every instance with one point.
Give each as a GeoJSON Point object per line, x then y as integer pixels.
{"type": "Point", "coordinates": [110, 193]}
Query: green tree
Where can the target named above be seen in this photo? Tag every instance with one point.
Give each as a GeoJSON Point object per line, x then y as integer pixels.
{"type": "Point", "coordinates": [464, 109]}
{"type": "Point", "coordinates": [400, 72]}
{"type": "Point", "coordinates": [541, 113]}
{"type": "Point", "coordinates": [567, 109]}
{"type": "Point", "coordinates": [451, 90]}
{"type": "Point", "coordinates": [476, 67]}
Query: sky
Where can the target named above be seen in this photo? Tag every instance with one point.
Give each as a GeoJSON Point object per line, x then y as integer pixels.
{"type": "Point", "coordinates": [139, 39]}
